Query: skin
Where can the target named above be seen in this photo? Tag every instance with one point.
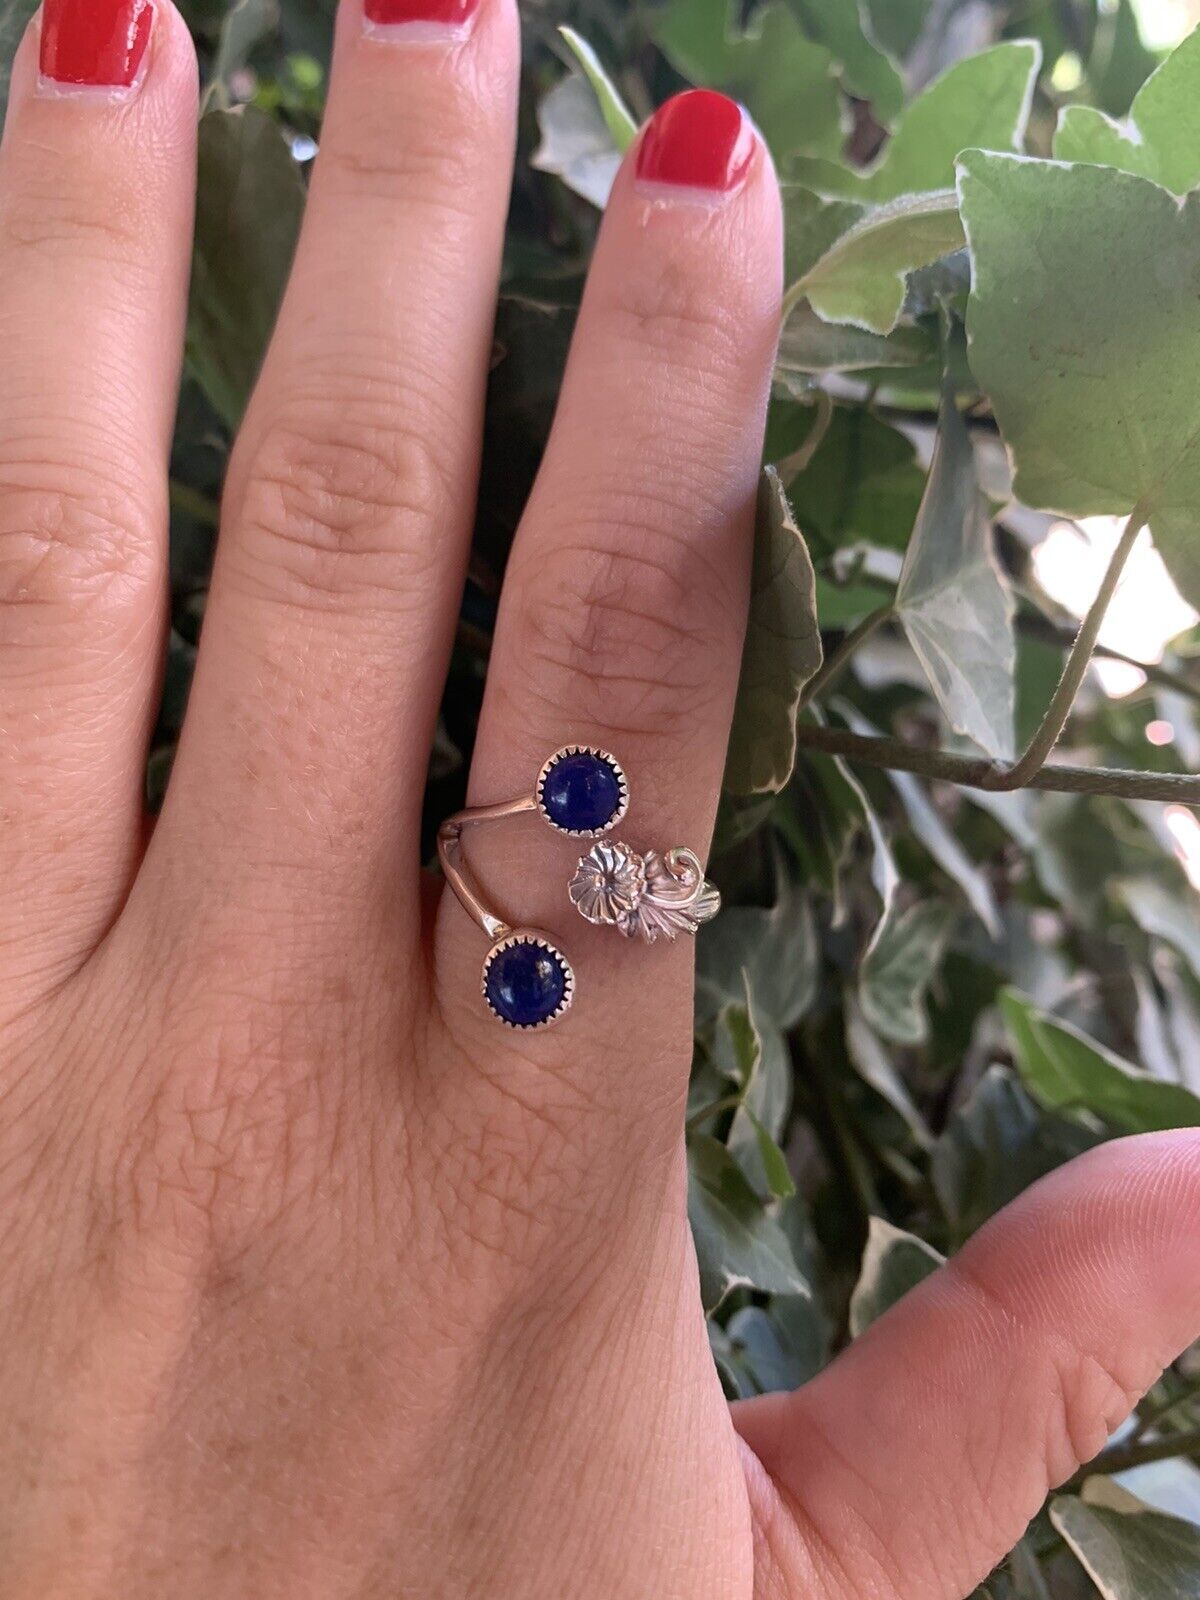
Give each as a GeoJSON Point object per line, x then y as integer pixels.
{"type": "Point", "coordinates": [314, 1282]}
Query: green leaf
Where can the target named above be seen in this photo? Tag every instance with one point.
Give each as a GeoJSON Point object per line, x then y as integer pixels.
{"type": "Point", "coordinates": [862, 484]}
{"type": "Point", "coordinates": [785, 81]}
{"type": "Point", "coordinates": [618, 119]}
{"type": "Point", "coordinates": [774, 953]}
{"type": "Point", "coordinates": [810, 344]}
{"type": "Point", "coordinates": [1159, 140]}
{"type": "Point", "coordinates": [983, 101]}
{"type": "Point", "coordinates": [15, 17]}
{"type": "Point", "coordinates": [896, 24]}
{"type": "Point", "coordinates": [779, 1181]}
{"type": "Point", "coordinates": [1084, 328]}
{"type": "Point", "coordinates": [870, 1059]}
{"type": "Point", "coordinates": [865, 71]}
{"type": "Point", "coordinates": [1166, 915]}
{"type": "Point", "coordinates": [576, 144]}
{"type": "Point", "coordinates": [782, 649]}
{"type": "Point", "coordinates": [933, 832]}
{"type": "Point", "coordinates": [995, 1146]}
{"type": "Point", "coordinates": [249, 203]}
{"type": "Point", "coordinates": [1131, 1555]}
{"type": "Point", "coordinates": [770, 1357]}
{"type": "Point", "coordinates": [738, 1244]}
{"type": "Point", "coordinates": [861, 278]}
{"type": "Point", "coordinates": [897, 969]}
{"type": "Point", "coordinates": [1067, 1071]}
{"type": "Point", "coordinates": [953, 603]}
{"type": "Point", "coordinates": [893, 1263]}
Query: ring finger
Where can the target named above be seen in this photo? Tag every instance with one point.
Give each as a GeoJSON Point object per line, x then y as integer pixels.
{"type": "Point", "coordinates": [625, 599]}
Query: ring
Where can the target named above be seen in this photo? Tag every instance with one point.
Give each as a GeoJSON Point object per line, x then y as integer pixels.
{"type": "Point", "coordinates": [581, 791]}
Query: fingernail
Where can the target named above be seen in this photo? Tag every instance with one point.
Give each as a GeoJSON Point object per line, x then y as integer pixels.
{"type": "Point", "coordinates": [700, 142]}
{"type": "Point", "coordinates": [410, 20]}
{"type": "Point", "coordinates": [94, 44]}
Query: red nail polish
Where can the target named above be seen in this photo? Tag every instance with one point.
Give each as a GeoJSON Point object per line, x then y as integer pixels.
{"type": "Point", "coordinates": [698, 140]}
{"type": "Point", "coordinates": [433, 16]}
{"type": "Point", "coordinates": [95, 43]}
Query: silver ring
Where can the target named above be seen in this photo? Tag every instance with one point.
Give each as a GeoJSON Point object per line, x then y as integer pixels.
{"type": "Point", "coordinates": [527, 981]}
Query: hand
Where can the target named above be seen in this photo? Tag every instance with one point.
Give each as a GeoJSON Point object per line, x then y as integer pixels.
{"type": "Point", "coordinates": [316, 1282]}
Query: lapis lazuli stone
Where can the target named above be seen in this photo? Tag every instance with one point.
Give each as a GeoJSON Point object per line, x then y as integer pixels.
{"type": "Point", "coordinates": [581, 793]}
{"type": "Point", "coordinates": [525, 984]}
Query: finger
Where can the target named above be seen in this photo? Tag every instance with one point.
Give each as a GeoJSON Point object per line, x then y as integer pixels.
{"type": "Point", "coordinates": [624, 603]}
{"type": "Point", "coordinates": [350, 498]}
{"type": "Point", "coordinates": [96, 181]}
{"type": "Point", "coordinates": [914, 1463]}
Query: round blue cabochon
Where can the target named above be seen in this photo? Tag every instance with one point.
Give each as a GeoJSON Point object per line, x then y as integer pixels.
{"type": "Point", "coordinates": [581, 792]}
{"type": "Point", "coordinates": [525, 983]}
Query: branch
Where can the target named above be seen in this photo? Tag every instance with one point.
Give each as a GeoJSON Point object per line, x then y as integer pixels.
{"type": "Point", "coordinates": [1020, 774]}
{"type": "Point", "coordinates": [836, 663]}
{"type": "Point", "coordinates": [980, 773]}
{"type": "Point", "coordinates": [1124, 1457]}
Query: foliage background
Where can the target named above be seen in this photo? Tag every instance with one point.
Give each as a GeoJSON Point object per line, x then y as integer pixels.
{"type": "Point", "coordinates": [922, 996]}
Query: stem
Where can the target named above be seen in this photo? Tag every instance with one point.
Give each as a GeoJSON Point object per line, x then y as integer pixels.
{"type": "Point", "coordinates": [729, 1102]}
{"type": "Point", "coordinates": [977, 773]}
{"type": "Point", "coordinates": [1124, 1457]}
{"type": "Point", "coordinates": [1019, 775]}
{"type": "Point", "coordinates": [836, 663]}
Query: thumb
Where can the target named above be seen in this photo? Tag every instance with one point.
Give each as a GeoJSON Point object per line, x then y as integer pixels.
{"type": "Point", "coordinates": [915, 1462]}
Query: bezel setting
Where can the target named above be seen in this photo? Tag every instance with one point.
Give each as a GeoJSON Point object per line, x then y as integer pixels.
{"type": "Point", "coordinates": [601, 755]}
{"type": "Point", "coordinates": [527, 936]}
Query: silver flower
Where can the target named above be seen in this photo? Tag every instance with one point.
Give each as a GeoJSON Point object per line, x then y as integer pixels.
{"type": "Point", "coordinates": [608, 884]}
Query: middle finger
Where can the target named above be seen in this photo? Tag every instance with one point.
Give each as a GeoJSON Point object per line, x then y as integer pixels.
{"type": "Point", "coordinates": [350, 495]}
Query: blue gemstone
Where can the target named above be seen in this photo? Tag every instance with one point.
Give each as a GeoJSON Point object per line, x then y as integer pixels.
{"type": "Point", "coordinates": [581, 793]}
{"type": "Point", "coordinates": [525, 983]}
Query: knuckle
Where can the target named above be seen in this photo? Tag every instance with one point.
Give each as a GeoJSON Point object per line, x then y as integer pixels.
{"type": "Point", "coordinates": [627, 637]}
{"type": "Point", "coordinates": [1092, 1397]}
{"type": "Point", "coordinates": [72, 535]}
{"type": "Point", "coordinates": [336, 509]}
{"type": "Point", "coordinates": [681, 313]}
{"type": "Point", "coordinates": [57, 220]}
{"type": "Point", "coordinates": [424, 148]}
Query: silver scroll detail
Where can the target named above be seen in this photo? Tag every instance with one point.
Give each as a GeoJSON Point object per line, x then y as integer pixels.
{"type": "Point", "coordinates": [652, 895]}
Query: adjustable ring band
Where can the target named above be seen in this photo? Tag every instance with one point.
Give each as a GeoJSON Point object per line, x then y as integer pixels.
{"type": "Point", "coordinates": [580, 791]}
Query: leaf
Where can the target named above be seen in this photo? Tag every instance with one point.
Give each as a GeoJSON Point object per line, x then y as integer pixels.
{"type": "Point", "coordinates": [1131, 1555]}
{"type": "Point", "coordinates": [781, 653]}
{"type": "Point", "coordinates": [1084, 329]}
{"type": "Point", "coordinates": [576, 144]}
{"type": "Point", "coordinates": [772, 952]}
{"type": "Point", "coordinates": [1067, 1071]}
{"type": "Point", "coordinates": [995, 1146]}
{"type": "Point", "coordinates": [766, 1352]}
{"type": "Point", "coordinates": [1159, 140]}
{"type": "Point", "coordinates": [927, 824]}
{"type": "Point", "coordinates": [810, 344]}
{"type": "Point", "coordinates": [861, 278]}
{"type": "Point", "coordinates": [785, 81]}
{"type": "Point", "coordinates": [865, 71]}
{"type": "Point", "coordinates": [249, 203]}
{"type": "Point", "coordinates": [1167, 916]}
{"type": "Point", "coordinates": [897, 969]}
{"type": "Point", "coordinates": [893, 1263]}
{"type": "Point", "coordinates": [952, 601]}
{"type": "Point", "coordinates": [15, 16]}
{"type": "Point", "coordinates": [896, 24]}
{"type": "Point", "coordinates": [618, 119]}
{"type": "Point", "coordinates": [738, 1244]}
{"type": "Point", "coordinates": [862, 484]}
{"type": "Point", "coordinates": [870, 1060]}
{"type": "Point", "coordinates": [983, 101]}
